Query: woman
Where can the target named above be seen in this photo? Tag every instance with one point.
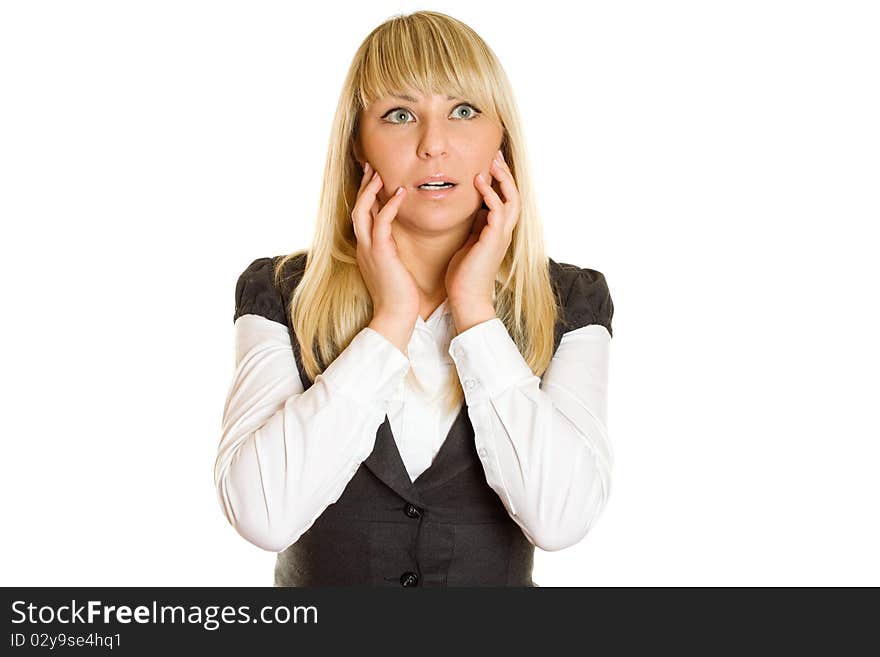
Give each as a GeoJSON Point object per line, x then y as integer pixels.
{"type": "Point", "coordinates": [386, 424]}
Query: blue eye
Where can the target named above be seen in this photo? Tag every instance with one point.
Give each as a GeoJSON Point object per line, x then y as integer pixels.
{"type": "Point", "coordinates": [473, 109]}
{"type": "Point", "coordinates": [397, 111]}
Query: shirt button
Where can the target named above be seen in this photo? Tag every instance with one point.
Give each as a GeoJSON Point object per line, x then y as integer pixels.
{"type": "Point", "coordinates": [482, 451]}
{"type": "Point", "coordinates": [469, 383]}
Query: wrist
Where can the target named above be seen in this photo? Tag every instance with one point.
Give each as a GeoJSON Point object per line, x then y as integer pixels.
{"type": "Point", "coordinates": [396, 330]}
{"type": "Point", "coordinates": [466, 316]}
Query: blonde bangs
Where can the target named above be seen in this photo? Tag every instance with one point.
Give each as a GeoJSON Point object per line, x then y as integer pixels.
{"type": "Point", "coordinates": [427, 57]}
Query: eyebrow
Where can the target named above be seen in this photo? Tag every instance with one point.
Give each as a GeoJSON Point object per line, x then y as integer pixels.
{"type": "Point", "coordinates": [413, 100]}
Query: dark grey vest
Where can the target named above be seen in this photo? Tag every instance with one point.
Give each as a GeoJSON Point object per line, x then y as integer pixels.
{"type": "Point", "coordinates": [448, 528]}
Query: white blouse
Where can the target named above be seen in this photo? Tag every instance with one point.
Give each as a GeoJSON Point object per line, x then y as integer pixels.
{"type": "Point", "coordinates": [285, 455]}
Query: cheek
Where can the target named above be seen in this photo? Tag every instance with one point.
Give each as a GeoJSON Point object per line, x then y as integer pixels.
{"type": "Point", "coordinates": [388, 153]}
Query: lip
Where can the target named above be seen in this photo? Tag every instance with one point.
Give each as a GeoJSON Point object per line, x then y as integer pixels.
{"type": "Point", "coordinates": [436, 194]}
{"type": "Point", "coordinates": [437, 177]}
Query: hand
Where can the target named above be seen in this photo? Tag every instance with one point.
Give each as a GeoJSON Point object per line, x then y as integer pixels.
{"type": "Point", "coordinates": [392, 287]}
{"type": "Point", "coordinates": [471, 273]}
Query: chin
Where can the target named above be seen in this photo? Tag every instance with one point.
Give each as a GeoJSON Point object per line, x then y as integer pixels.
{"type": "Point", "coordinates": [433, 219]}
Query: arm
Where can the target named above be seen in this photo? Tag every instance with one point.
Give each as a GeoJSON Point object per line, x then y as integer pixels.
{"type": "Point", "coordinates": [285, 455]}
{"type": "Point", "coordinates": [543, 443]}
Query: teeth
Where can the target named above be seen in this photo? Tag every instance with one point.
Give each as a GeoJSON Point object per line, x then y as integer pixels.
{"type": "Point", "coordinates": [435, 185]}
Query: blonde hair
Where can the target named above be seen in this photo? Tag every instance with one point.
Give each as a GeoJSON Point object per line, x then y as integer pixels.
{"type": "Point", "coordinates": [432, 53]}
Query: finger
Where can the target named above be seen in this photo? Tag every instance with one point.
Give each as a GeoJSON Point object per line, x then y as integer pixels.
{"type": "Point", "coordinates": [360, 214]}
{"type": "Point", "coordinates": [510, 191]}
{"type": "Point", "coordinates": [503, 175]}
{"type": "Point", "coordinates": [491, 198]}
{"type": "Point", "coordinates": [375, 207]}
{"type": "Point", "coordinates": [382, 224]}
{"type": "Point", "coordinates": [361, 201]}
{"type": "Point", "coordinates": [357, 213]}
{"type": "Point", "coordinates": [368, 173]}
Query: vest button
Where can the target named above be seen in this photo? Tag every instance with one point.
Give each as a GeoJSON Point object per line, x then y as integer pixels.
{"type": "Point", "coordinates": [413, 511]}
{"type": "Point", "coordinates": [409, 578]}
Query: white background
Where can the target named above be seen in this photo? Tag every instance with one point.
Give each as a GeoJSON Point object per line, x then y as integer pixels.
{"type": "Point", "coordinates": [718, 161]}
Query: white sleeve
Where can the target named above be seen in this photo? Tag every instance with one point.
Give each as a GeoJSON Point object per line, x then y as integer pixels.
{"type": "Point", "coordinates": [285, 455]}
{"type": "Point", "coordinates": [543, 442]}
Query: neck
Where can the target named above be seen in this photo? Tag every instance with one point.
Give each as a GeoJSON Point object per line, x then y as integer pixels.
{"type": "Point", "coordinates": [427, 255]}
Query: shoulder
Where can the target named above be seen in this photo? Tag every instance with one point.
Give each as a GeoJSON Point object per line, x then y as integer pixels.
{"type": "Point", "coordinates": [583, 294]}
{"type": "Point", "coordinates": [292, 267]}
{"type": "Point", "coordinates": [256, 291]}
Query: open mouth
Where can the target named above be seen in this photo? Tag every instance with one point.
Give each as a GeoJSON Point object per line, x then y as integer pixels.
{"type": "Point", "coordinates": [431, 186]}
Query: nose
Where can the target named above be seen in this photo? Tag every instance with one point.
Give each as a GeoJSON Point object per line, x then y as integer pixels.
{"type": "Point", "coordinates": [435, 138]}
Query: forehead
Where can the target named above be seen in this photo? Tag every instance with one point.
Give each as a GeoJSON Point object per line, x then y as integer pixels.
{"type": "Point", "coordinates": [411, 97]}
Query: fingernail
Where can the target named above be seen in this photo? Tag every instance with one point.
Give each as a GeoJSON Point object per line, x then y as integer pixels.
{"type": "Point", "coordinates": [375, 174]}
{"type": "Point", "coordinates": [501, 155]}
{"type": "Point", "coordinates": [399, 191]}
{"type": "Point", "coordinates": [480, 176]}
{"type": "Point", "coordinates": [366, 166]}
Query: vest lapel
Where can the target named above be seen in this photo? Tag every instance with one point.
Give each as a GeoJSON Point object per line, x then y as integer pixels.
{"type": "Point", "coordinates": [385, 462]}
{"type": "Point", "coordinates": [457, 453]}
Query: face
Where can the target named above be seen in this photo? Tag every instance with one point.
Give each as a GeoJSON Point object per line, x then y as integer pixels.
{"type": "Point", "coordinates": [409, 139]}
